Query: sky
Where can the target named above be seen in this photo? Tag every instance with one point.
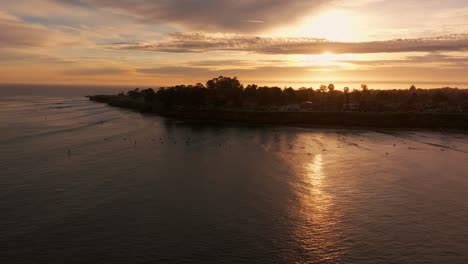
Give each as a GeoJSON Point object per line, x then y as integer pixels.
{"type": "Point", "coordinates": [275, 42]}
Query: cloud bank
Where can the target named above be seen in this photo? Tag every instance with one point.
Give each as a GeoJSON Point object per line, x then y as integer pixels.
{"type": "Point", "coordinates": [201, 42]}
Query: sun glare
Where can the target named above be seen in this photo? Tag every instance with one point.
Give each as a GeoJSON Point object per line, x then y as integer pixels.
{"type": "Point", "coordinates": [334, 25]}
{"type": "Point", "coordinates": [324, 59]}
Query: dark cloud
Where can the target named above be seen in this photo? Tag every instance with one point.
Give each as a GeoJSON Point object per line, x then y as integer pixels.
{"type": "Point", "coordinates": [199, 42]}
{"type": "Point", "coordinates": [213, 15]}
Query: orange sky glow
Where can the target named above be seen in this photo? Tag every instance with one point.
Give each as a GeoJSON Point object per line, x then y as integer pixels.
{"type": "Point", "coordinates": [275, 42]}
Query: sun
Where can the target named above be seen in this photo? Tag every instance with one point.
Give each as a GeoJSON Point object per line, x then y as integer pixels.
{"type": "Point", "coordinates": [334, 25]}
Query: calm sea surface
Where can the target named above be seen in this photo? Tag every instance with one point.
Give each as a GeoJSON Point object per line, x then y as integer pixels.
{"type": "Point", "coordinates": [82, 182]}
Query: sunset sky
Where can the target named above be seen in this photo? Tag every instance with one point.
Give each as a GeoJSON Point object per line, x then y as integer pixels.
{"type": "Point", "coordinates": [294, 42]}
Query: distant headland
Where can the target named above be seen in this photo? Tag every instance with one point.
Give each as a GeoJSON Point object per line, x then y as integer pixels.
{"type": "Point", "coordinates": [225, 99]}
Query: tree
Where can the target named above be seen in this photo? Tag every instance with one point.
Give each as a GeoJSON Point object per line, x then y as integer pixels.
{"type": "Point", "coordinates": [364, 87]}
{"type": "Point", "coordinates": [305, 94]}
{"type": "Point", "coordinates": [250, 91]}
{"type": "Point", "coordinates": [289, 95]}
{"type": "Point", "coordinates": [199, 86]}
{"type": "Point", "coordinates": [249, 95]}
{"type": "Point", "coordinates": [134, 93]}
{"type": "Point", "coordinates": [225, 89]}
{"type": "Point", "coordinates": [346, 92]}
{"type": "Point", "coordinates": [356, 97]}
{"type": "Point", "coordinates": [224, 84]}
{"type": "Point", "coordinates": [323, 88]}
{"type": "Point", "coordinates": [148, 94]}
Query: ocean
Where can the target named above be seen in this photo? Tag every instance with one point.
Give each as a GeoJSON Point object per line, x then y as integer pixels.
{"type": "Point", "coordinates": [82, 182]}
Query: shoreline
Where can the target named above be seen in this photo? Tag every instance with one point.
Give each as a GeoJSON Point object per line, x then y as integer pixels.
{"type": "Point", "coordinates": [396, 121]}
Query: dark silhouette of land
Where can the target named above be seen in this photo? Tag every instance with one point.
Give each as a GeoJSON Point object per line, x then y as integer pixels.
{"type": "Point", "coordinates": [225, 99]}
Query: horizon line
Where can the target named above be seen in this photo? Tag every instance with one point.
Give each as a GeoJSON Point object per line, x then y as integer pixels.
{"type": "Point", "coordinates": [382, 82]}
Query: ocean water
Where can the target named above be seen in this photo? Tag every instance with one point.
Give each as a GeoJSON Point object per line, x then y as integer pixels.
{"type": "Point", "coordinates": [82, 182]}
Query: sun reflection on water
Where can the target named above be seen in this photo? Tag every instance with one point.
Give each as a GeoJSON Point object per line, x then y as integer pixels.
{"type": "Point", "coordinates": [317, 229]}
{"type": "Point", "coordinates": [315, 173]}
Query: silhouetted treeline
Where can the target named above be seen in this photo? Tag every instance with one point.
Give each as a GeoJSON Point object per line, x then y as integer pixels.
{"type": "Point", "coordinates": [229, 93]}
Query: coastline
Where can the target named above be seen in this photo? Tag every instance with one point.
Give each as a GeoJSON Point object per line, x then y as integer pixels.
{"type": "Point", "coordinates": [326, 120]}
